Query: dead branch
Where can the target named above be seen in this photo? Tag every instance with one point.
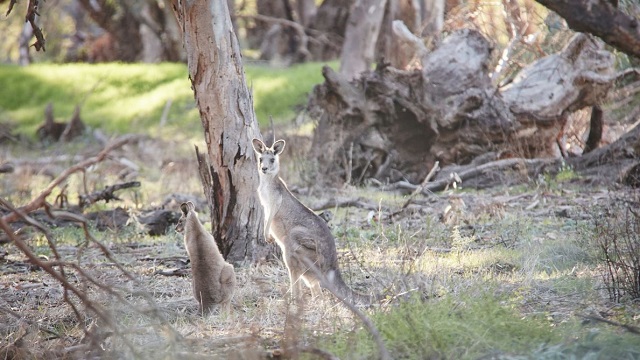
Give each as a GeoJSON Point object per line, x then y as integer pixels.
{"type": "Point", "coordinates": [530, 166]}
{"type": "Point", "coordinates": [630, 328]}
{"type": "Point", "coordinates": [107, 194]}
{"type": "Point", "coordinates": [382, 349]}
{"type": "Point", "coordinates": [40, 200]}
{"type": "Point", "coordinates": [60, 276]}
{"type": "Point", "coordinates": [335, 203]}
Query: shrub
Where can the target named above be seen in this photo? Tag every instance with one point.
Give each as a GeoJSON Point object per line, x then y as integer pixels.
{"type": "Point", "coordinates": [617, 235]}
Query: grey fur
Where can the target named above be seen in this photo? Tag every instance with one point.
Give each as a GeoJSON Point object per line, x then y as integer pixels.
{"type": "Point", "coordinates": [214, 279]}
{"type": "Point", "coordinates": [298, 231]}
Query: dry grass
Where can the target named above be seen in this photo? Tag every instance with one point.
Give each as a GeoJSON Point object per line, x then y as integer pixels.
{"type": "Point", "coordinates": [504, 259]}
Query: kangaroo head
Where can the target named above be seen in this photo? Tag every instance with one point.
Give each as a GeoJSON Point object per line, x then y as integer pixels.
{"type": "Point", "coordinates": [185, 208]}
{"type": "Point", "coordinates": [268, 158]}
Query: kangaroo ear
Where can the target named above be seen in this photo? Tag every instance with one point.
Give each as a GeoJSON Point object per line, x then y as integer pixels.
{"type": "Point", "coordinates": [190, 206]}
{"type": "Point", "coordinates": [278, 146]}
{"type": "Point", "coordinates": [258, 146]}
{"type": "Point", "coordinates": [184, 208]}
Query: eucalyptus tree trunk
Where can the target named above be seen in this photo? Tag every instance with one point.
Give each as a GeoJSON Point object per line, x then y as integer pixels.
{"type": "Point", "coordinates": [363, 28]}
{"type": "Point", "coordinates": [228, 171]}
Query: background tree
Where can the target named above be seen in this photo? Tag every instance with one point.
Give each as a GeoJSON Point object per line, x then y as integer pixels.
{"type": "Point", "coordinates": [134, 31]}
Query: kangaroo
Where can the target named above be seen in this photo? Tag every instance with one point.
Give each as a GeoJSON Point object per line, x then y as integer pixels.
{"type": "Point", "coordinates": [301, 234]}
{"type": "Point", "coordinates": [213, 278]}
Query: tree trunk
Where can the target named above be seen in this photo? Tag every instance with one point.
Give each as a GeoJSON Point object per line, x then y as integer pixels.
{"type": "Point", "coordinates": [359, 46]}
{"type": "Point", "coordinates": [389, 46]}
{"type": "Point", "coordinates": [331, 21]}
{"type": "Point", "coordinates": [306, 11]}
{"type": "Point", "coordinates": [228, 119]}
{"type": "Point", "coordinates": [23, 44]}
{"type": "Point", "coordinates": [433, 23]}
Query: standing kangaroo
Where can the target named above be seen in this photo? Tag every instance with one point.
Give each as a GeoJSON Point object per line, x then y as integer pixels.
{"type": "Point", "coordinates": [213, 278]}
{"type": "Point", "coordinates": [301, 234]}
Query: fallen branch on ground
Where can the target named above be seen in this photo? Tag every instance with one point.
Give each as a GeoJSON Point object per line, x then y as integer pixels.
{"type": "Point", "coordinates": [106, 194]}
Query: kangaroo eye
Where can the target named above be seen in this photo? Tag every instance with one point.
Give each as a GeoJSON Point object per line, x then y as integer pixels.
{"type": "Point", "coordinates": [260, 159]}
{"type": "Point", "coordinates": [273, 160]}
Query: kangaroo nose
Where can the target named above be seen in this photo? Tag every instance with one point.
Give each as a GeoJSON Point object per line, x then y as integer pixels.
{"type": "Point", "coordinates": [264, 169]}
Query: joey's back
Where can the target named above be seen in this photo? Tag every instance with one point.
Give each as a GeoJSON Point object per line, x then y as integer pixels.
{"type": "Point", "coordinates": [213, 279]}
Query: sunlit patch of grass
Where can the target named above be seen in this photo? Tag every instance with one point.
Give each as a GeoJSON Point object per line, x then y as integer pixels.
{"type": "Point", "coordinates": [464, 326]}
{"type": "Point", "coordinates": [125, 98]}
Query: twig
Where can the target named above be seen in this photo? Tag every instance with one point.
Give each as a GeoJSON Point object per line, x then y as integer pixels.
{"type": "Point", "coordinates": [382, 350]}
{"type": "Point", "coordinates": [424, 182]}
{"type": "Point", "coordinates": [39, 201]}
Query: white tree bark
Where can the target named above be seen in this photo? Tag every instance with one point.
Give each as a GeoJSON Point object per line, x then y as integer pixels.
{"type": "Point", "coordinates": [363, 27]}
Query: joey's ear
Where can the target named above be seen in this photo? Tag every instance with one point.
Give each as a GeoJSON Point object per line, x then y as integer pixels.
{"type": "Point", "coordinates": [278, 146]}
{"type": "Point", "coordinates": [258, 146]}
{"type": "Point", "coordinates": [184, 208]}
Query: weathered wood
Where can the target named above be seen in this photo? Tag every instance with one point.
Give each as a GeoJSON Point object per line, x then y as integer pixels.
{"type": "Point", "coordinates": [399, 123]}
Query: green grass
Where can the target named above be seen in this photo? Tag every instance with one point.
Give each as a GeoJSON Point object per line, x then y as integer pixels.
{"type": "Point", "coordinates": [479, 324]}
{"type": "Point", "coordinates": [123, 98]}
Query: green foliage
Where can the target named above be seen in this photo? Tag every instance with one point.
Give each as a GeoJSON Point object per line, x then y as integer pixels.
{"type": "Point", "coordinates": [124, 98]}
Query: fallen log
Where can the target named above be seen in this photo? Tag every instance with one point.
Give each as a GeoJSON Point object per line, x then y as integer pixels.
{"type": "Point", "coordinates": [393, 125]}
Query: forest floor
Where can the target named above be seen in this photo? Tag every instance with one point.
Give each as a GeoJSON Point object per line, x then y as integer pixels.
{"type": "Point", "coordinates": [508, 272]}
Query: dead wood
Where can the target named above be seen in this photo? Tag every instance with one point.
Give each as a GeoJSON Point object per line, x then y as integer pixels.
{"type": "Point", "coordinates": [59, 269]}
{"type": "Point", "coordinates": [60, 131]}
{"type": "Point", "coordinates": [595, 130]}
{"type": "Point", "coordinates": [40, 200]}
{"type": "Point", "coordinates": [393, 125]}
{"type": "Point", "coordinates": [107, 194]}
{"type": "Point", "coordinates": [6, 168]}
{"type": "Point", "coordinates": [337, 203]}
